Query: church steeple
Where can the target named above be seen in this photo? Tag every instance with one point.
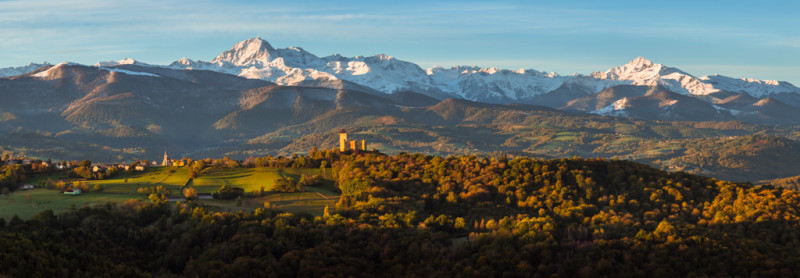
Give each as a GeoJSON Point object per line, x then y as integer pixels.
{"type": "Point", "coordinates": [166, 159]}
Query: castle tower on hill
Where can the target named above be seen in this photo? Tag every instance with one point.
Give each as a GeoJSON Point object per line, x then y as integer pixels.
{"type": "Point", "coordinates": [343, 146]}
{"type": "Point", "coordinates": [346, 145]}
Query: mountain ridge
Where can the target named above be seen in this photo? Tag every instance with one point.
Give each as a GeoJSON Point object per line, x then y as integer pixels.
{"type": "Point", "coordinates": [470, 82]}
{"type": "Point", "coordinates": [256, 58]}
{"type": "Point", "coordinates": [130, 112]}
{"type": "Point", "coordinates": [384, 75]}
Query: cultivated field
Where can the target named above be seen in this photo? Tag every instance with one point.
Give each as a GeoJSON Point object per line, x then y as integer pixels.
{"type": "Point", "coordinates": [26, 203]}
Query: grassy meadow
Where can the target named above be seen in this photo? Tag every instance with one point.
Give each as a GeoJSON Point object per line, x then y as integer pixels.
{"type": "Point", "coordinates": [26, 203]}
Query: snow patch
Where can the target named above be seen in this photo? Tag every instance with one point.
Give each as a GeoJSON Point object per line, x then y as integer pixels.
{"type": "Point", "coordinates": [615, 109]}
{"type": "Point", "coordinates": [46, 73]}
{"type": "Point", "coordinates": [733, 112]}
{"type": "Point", "coordinates": [668, 102]}
{"type": "Point", "coordinates": [128, 72]}
{"type": "Point", "coordinates": [42, 74]}
{"type": "Point", "coordinates": [621, 103]}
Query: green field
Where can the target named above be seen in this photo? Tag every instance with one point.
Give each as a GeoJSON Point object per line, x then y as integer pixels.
{"type": "Point", "coordinates": [43, 199]}
{"type": "Point", "coordinates": [125, 187]}
{"type": "Point", "coordinates": [567, 136]}
{"type": "Point", "coordinates": [312, 201]}
{"type": "Point", "coordinates": [210, 179]}
{"type": "Point", "coordinates": [250, 179]}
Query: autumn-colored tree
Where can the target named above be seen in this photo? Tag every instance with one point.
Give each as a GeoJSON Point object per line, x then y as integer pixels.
{"type": "Point", "coordinates": [190, 193]}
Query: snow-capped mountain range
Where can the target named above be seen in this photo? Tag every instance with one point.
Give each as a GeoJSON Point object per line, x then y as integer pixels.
{"type": "Point", "coordinates": [255, 58]}
{"type": "Point", "coordinates": [12, 71]}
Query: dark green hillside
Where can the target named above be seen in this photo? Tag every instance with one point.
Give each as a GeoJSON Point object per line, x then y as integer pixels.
{"type": "Point", "coordinates": [463, 127]}
{"type": "Point", "coordinates": [412, 99]}
{"type": "Point", "coordinates": [770, 110]}
{"type": "Point", "coordinates": [747, 158]}
{"type": "Point", "coordinates": [420, 215]}
{"type": "Point", "coordinates": [792, 183]}
{"type": "Point", "coordinates": [47, 146]}
{"type": "Point", "coordinates": [269, 108]}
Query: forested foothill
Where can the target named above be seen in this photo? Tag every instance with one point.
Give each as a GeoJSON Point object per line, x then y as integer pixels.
{"type": "Point", "coordinates": [423, 215]}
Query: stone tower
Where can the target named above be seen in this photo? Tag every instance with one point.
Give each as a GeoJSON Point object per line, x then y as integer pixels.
{"type": "Point", "coordinates": [343, 143]}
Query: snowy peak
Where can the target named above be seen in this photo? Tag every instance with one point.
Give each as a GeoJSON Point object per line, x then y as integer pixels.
{"type": "Point", "coordinates": [258, 54]}
{"type": "Point", "coordinates": [126, 61]}
{"type": "Point", "coordinates": [640, 63]}
{"type": "Point", "coordinates": [183, 62]}
{"type": "Point", "coordinates": [641, 71]}
{"type": "Point", "coordinates": [383, 57]}
{"type": "Point", "coordinates": [250, 52]}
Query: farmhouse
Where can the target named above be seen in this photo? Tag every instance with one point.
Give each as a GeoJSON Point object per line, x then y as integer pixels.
{"type": "Point", "coordinates": [73, 191]}
{"type": "Point", "coordinates": [178, 162]}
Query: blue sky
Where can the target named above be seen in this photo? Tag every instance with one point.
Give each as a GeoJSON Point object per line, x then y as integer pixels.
{"type": "Point", "coordinates": [734, 38]}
